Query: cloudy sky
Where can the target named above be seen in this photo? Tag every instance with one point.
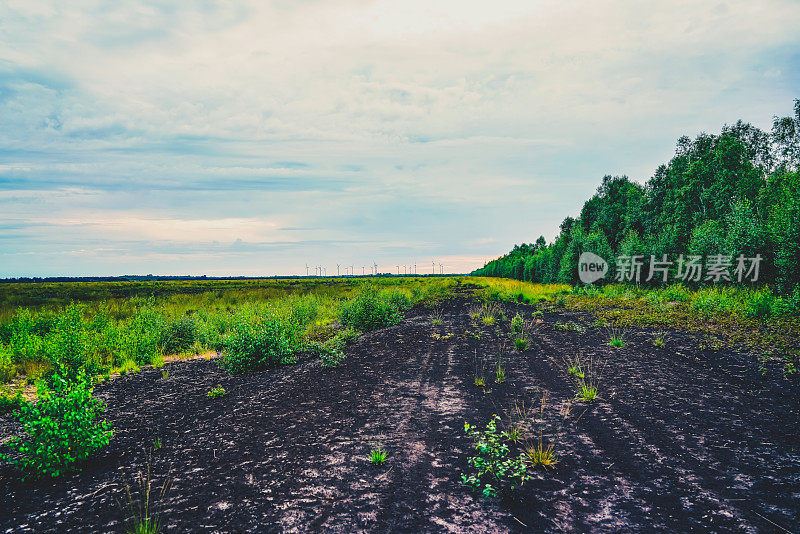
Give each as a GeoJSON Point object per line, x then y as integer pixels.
{"type": "Point", "coordinates": [202, 138]}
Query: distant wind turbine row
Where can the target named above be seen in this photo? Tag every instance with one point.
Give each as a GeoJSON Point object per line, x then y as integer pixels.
{"type": "Point", "coordinates": [349, 270]}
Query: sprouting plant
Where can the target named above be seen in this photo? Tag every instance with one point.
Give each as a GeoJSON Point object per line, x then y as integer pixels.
{"type": "Point", "coordinates": [377, 455]}
{"type": "Point", "coordinates": [535, 452]}
{"type": "Point", "coordinates": [332, 358]}
{"type": "Point", "coordinates": [575, 367]}
{"type": "Point", "coordinates": [494, 466]}
{"type": "Point", "coordinates": [537, 455]}
{"type": "Point", "coordinates": [538, 314]}
{"type": "Point", "coordinates": [500, 374]}
{"type": "Point", "coordinates": [157, 443]}
{"type": "Point", "coordinates": [518, 420]}
{"type": "Point", "coordinates": [587, 391]}
{"type": "Point", "coordinates": [165, 374]}
{"type": "Point", "coordinates": [500, 368]}
{"type": "Point", "coordinates": [516, 324]}
{"type": "Point", "coordinates": [616, 337]}
{"type": "Point", "coordinates": [479, 365]}
{"type": "Point", "coordinates": [436, 317]}
{"type": "Point", "coordinates": [599, 323]}
{"type": "Point", "coordinates": [520, 343]}
{"type": "Point", "coordinates": [571, 326]}
{"type": "Point", "coordinates": [145, 503]}
{"type": "Point", "coordinates": [216, 392]}
{"type": "Point", "coordinates": [659, 339]}
{"type": "Point", "coordinates": [488, 313]}
{"type": "Point", "coordinates": [789, 368]}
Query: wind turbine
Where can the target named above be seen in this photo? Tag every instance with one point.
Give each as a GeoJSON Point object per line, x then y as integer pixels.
{"type": "Point", "coordinates": [337, 269]}
{"type": "Point", "coordinates": [306, 269]}
{"type": "Point", "coordinates": [441, 269]}
{"type": "Point", "coordinates": [433, 268]}
{"type": "Point", "coordinates": [398, 270]}
{"type": "Point", "coordinates": [376, 267]}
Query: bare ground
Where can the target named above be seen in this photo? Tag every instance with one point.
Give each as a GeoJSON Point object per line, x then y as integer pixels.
{"type": "Point", "coordinates": [680, 440]}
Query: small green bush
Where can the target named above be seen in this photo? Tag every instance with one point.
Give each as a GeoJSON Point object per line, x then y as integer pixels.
{"type": "Point", "coordinates": [370, 310]}
{"type": "Point", "coordinates": [760, 304]}
{"type": "Point", "coordinates": [256, 347]}
{"type": "Point", "coordinates": [7, 368]}
{"type": "Point", "coordinates": [179, 336]}
{"type": "Point", "coordinates": [516, 324]}
{"type": "Point", "coordinates": [216, 392]}
{"type": "Point", "coordinates": [61, 428]}
{"type": "Point", "coordinates": [494, 466]}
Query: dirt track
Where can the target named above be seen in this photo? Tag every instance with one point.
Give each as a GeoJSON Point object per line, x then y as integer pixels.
{"type": "Point", "coordinates": [681, 440]}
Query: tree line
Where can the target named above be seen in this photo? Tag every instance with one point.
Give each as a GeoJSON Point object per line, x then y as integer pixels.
{"type": "Point", "coordinates": [734, 194]}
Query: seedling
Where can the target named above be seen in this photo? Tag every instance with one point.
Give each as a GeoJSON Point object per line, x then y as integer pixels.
{"type": "Point", "coordinates": [576, 371]}
{"type": "Point", "coordinates": [480, 381]}
{"type": "Point", "coordinates": [520, 343]}
{"type": "Point", "coordinates": [436, 317]}
{"type": "Point", "coordinates": [616, 338]}
{"type": "Point", "coordinates": [377, 455]}
{"type": "Point", "coordinates": [500, 369]}
{"type": "Point", "coordinates": [537, 455]}
{"type": "Point", "coordinates": [145, 508]}
{"type": "Point", "coordinates": [587, 391]}
{"type": "Point", "coordinates": [216, 392]}
{"type": "Point", "coordinates": [516, 324]}
{"type": "Point", "coordinates": [164, 374]}
{"type": "Point", "coordinates": [500, 374]}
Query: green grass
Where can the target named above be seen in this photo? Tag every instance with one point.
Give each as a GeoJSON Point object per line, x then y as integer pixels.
{"type": "Point", "coordinates": [216, 392]}
{"type": "Point", "coordinates": [587, 391]}
{"type": "Point", "coordinates": [107, 327]}
{"type": "Point", "coordinates": [378, 455]}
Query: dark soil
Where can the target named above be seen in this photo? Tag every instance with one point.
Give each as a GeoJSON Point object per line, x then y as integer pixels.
{"type": "Point", "coordinates": [679, 440]}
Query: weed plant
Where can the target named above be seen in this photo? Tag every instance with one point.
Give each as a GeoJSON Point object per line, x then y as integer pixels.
{"type": "Point", "coordinates": [61, 429]}
{"type": "Point", "coordinates": [494, 467]}
{"type": "Point", "coordinates": [377, 455]}
{"type": "Point", "coordinates": [216, 392]}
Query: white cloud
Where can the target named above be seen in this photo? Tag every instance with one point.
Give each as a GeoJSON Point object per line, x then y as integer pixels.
{"type": "Point", "coordinates": [487, 118]}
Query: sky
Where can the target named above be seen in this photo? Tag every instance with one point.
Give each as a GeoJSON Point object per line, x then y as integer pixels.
{"type": "Point", "coordinates": [255, 138]}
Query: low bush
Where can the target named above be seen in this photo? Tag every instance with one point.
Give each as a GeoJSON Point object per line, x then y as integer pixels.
{"type": "Point", "coordinates": [61, 428]}
{"type": "Point", "coordinates": [7, 368]}
{"type": "Point", "coordinates": [259, 346]}
{"type": "Point", "coordinates": [370, 310]}
{"type": "Point", "coordinates": [495, 467]}
{"type": "Point", "coordinates": [216, 392]}
{"type": "Point", "coordinates": [179, 335]}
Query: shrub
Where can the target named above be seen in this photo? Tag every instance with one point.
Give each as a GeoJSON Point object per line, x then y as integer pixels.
{"type": "Point", "coordinates": [61, 428]}
{"type": "Point", "coordinates": [256, 347]}
{"type": "Point", "coordinates": [179, 335]}
{"type": "Point", "coordinates": [494, 467]}
{"type": "Point", "coordinates": [516, 324]}
{"type": "Point", "coordinates": [10, 401]}
{"type": "Point", "coordinates": [7, 368]}
{"type": "Point", "coordinates": [760, 304]}
{"type": "Point", "coordinates": [216, 392]}
{"type": "Point", "coordinates": [370, 310]}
